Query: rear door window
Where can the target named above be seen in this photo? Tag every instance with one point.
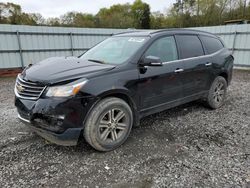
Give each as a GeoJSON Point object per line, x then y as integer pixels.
{"type": "Point", "coordinates": [164, 48]}
{"type": "Point", "coordinates": [189, 46]}
{"type": "Point", "coordinates": [211, 44]}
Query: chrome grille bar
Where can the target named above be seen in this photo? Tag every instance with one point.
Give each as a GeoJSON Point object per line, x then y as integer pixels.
{"type": "Point", "coordinates": [28, 86]}
{"type": "Point", "coordinates": [27, 89]}
{"type": "Point", "coordinates": [25, 82]}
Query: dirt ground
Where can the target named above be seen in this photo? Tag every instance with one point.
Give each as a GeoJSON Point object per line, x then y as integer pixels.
{"type": "Point", "coordinates": [188, 146]}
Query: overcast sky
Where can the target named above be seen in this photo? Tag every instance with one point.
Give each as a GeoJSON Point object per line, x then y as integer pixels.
{"type": "Point", "coordinates": [55, 8]}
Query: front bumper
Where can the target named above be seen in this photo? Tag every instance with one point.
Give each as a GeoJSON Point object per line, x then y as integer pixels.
{"type": "Point", "coordinates": [67, 138]}
{"type": "Point", "coordinates": [57, 120]}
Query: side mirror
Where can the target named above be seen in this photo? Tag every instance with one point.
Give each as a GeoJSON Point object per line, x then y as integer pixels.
{"type": "Point", "coordinates": [151, 61]}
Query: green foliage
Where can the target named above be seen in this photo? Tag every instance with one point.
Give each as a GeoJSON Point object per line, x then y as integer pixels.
{"type": "Point", "coordinates": [141, 14]}
{"type": "Point", "coordinates": [183, 13]}
{"type": "Point", "coordinates": [117, 16]}
{"type": "Point", "coordinates": [207, 12]}
{"type": "Point", "coordinates": [157, 20]}
{"type": "Point", "coordinates": [12, 14]}
{"type": "Point", "coordinates": [77, 19]}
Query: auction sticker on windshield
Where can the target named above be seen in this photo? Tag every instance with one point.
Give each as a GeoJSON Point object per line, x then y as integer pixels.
{"type": "Point", "coordinates": [136, 39]}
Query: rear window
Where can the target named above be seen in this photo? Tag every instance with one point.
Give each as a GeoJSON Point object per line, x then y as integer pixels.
{"type": "Point", "coordinates": [189, 46]}
{"type": "Point", "coordinates": [211, 44]}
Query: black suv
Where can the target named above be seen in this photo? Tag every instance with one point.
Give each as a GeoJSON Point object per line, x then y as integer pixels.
{"type": "Point", "coordinates": [108, 89]}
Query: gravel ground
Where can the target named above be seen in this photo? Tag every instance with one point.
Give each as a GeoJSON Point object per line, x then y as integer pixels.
{"type": "Point", "coordinates": [188, 146]}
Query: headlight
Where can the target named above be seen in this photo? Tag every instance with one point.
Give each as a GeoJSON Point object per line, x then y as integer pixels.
{"type": "Point", "coordinates": [65, 90]}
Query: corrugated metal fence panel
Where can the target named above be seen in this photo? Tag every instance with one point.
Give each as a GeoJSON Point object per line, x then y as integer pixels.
{"type": "Point", "coordinates": [40, 42]}
{"type": "Point", "coordinates": [46, 42]}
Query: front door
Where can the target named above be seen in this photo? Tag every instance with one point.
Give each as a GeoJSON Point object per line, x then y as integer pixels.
{"type": "Point", "coordinates": [160, 86]}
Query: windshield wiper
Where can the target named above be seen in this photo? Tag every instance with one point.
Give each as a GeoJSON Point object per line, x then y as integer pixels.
{"type": "Point", "coordinates": [96, 61]}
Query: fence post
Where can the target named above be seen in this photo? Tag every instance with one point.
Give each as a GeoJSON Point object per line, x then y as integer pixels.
{"type": "Point", "coordinates": [71, 44]}
{"type": "Point", "coordinates": [235, 34]}
{"type": "Point", "coordinates": [20, 48]}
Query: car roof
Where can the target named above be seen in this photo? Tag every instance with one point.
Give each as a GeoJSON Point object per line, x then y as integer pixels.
{"type": "Point", "coordinates": [152, 33]}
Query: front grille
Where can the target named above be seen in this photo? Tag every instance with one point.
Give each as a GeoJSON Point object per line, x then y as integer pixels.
{"type": "Point", "coordinates": [28, 90]}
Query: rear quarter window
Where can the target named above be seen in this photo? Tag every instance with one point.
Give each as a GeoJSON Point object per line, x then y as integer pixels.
{"type": "Point", "coordinates": [189, 46]}
{"type": "Point", "coordinates": [211, 44]}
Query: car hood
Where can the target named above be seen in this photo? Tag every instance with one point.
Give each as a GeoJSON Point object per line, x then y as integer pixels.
{"type": "Point", "coordinates": [59, 69]}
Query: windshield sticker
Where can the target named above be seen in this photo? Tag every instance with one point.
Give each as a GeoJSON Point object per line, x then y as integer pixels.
{"type": "Point", "coordinates": [136, 40]}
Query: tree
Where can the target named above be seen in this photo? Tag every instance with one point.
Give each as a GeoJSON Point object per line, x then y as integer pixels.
{"type": "Point", "coordinates": [183, 13]}
{"type": "Point", "coordinates": [11, 13]}
{"type": "Point", "coordinates": [202, 12]}
{"type": "Point", "coordinates": [141, 14]}
{"type": "Point", "coordinates": [3, 17]}
{"type": "Point", "coordinates": [117, 16]}
{"type": "Point", "coordinates": [53, 22]}
{"type": "Point", "coordinates": [38, 18]}
{"type": "Point", "coordinates": [77, 19]}
{"type": "Point", "coordinates": [157, 20]}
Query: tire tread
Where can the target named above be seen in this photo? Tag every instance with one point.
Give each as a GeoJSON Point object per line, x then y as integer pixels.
{"type": "Point", "coordinates": [91, 119]}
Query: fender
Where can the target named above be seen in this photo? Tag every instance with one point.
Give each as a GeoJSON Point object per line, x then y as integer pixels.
{"type": "Point", "coordinates": [122, 93]}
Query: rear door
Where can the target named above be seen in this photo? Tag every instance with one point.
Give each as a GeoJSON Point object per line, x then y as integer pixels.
{"type": "Point", "coordinates": [195, 63]}
{"type": "Point", "coordinates": [211, 46]}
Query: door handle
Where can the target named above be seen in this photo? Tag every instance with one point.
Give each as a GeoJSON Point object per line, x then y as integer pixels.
{"type": "Point", "coordinates": [208, 64]}
{"type": "Point", "coordinates": [178, 70]}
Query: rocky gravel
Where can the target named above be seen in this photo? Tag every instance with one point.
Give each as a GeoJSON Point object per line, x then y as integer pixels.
{"type": "Point", "coordinates": [187, 146]}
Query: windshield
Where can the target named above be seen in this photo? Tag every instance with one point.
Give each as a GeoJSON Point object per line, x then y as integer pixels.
{"type": "Point", "coordinates": [114, 50]}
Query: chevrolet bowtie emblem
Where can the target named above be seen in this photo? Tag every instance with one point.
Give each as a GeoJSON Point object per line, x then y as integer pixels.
{"type": "Point", "coordinates": [20, 88]}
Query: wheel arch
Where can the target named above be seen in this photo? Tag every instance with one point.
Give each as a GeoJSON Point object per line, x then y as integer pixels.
{"type": "Point", "coordinates": [124, 95]}
{"type": "Point", "coordinates": [121, 94]}
{"type": "Point", "coordinates": [224, 75]}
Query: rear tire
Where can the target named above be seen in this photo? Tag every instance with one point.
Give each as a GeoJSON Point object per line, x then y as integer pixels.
{"type": "Point", "coordinates": [108, 124]}
{"type": "Point", "coordinates": [217, 93]}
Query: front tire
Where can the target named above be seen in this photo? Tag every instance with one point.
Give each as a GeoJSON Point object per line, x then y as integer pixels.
{"type": "Point", "coordinates": [217, 93]}
{"type": "Point", "coordinates": [108, 124]}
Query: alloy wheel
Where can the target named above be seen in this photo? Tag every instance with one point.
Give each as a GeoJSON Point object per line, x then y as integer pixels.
{"type": "Point", "coordinates": [219, 92]}
{"type": "Point", "coordinates": [113, 125]}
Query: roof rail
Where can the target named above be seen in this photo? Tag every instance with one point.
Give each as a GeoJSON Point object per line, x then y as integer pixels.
{"type": "Point", "coordinates": [128, 31]}
{"type": "Point", "coordinates": [179, 29]}
{"type": "Point", "coordinates": [163, 30]}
